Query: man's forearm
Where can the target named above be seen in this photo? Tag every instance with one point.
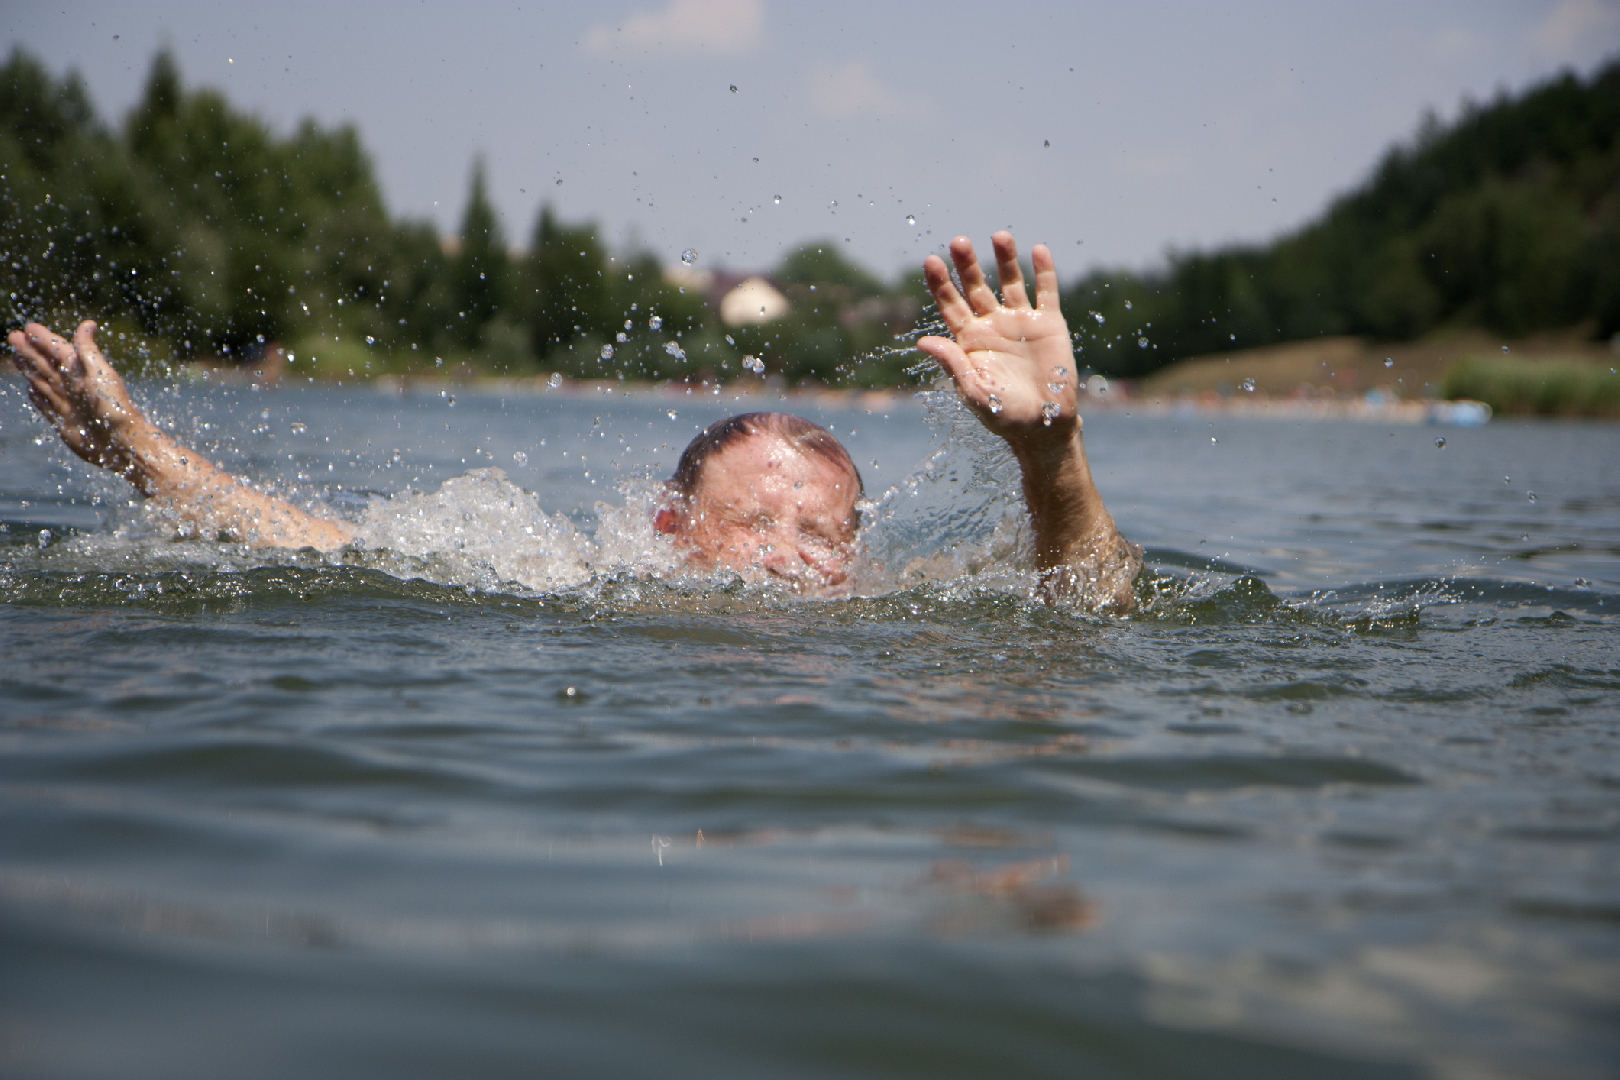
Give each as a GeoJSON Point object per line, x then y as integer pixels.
{"type": "Point", "coordinates": [1065, 509]}
{"type": "Point", "coordinates": [199, 492]}
{"type": "Point", "coordinates": [1076, 540]}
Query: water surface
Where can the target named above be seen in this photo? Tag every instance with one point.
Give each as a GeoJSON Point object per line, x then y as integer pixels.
{"type": "Point", "coordinates": [1342, 800]}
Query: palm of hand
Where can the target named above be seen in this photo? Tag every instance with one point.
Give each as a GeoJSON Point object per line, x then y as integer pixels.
{"type": "Point", "coordinates": [80, 393]}
{"type": "Point", "coordinates": [101, 408]}
{"type": "Point", "coordinates": [1021, 367]}
{"type": "Point", "coordinates": [1012, 362]}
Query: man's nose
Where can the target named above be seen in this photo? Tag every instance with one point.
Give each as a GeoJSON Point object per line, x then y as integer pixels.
{"type": "Point", "coordinates": [830, 564]}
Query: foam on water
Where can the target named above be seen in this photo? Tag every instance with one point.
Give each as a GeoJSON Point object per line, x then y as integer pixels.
{"type": "Point", "coordinates": [484, 532]}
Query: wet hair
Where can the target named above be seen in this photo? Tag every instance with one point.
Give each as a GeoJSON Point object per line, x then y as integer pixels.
{"type": "Point", "coordinates": [798, 432]}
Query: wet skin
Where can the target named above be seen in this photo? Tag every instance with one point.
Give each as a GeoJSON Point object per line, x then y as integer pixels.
{"type": "Point", "coordinates": [763, 504]}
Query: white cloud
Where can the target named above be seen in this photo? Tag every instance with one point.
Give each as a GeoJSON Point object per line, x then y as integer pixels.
{"type": "Point", "coordinates": [712, 26]}
{"type": "Point", "coordinates": [851, 89]}
{"type": "Point", "coordinates": [1577, 31]}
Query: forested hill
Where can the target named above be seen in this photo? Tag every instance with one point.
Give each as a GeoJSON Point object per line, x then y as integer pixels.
{"type": "Point", "coordinates": [197, 229]}
{"type": "Point", "coordinates": [1507, 220]}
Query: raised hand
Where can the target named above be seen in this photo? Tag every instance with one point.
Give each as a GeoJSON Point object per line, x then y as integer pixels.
{"type": "Point", "coordinates": [1013, 364]}
{"type": "Point", "coordinates": [81, 395]}
{"type": "Point", "coordinates": [87, 402]}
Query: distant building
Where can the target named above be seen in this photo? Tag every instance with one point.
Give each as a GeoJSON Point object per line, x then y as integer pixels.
{"type": "Point", "coordinates": [753, 301]}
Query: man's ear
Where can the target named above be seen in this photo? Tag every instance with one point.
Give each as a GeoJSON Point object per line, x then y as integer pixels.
{"type": "Point", "coordinates": [666, 520]}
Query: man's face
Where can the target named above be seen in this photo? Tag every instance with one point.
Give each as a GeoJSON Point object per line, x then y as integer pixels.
{"type": "Point", "coordinates": [763, 505]}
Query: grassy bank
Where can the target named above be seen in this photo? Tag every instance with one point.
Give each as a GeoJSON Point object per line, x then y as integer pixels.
{"type": "Point", "coordinates": [1541, 387]}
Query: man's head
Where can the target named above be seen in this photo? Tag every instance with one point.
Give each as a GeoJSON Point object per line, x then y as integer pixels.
{"type": "Point", "coordinates": [766, 492]}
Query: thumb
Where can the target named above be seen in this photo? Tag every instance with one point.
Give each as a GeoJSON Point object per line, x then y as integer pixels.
{"type": "Point", "coordinates": [91, 362]}
{"type": "Point", "coordinates": [84, 339]}
{"type": "Point", "coordinates": [947, 354]}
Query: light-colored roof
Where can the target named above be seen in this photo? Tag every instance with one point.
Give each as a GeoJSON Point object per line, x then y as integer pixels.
{"type": "Point", "coordinates": [754, 301]}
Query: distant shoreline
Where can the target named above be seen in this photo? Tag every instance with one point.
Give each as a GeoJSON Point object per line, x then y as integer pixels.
{"type": "Point", "coordinates": [1120, 397]}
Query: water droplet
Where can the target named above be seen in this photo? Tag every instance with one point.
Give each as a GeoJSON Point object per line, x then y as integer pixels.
{"type": "Point", "coordinates": [995, 404]}
{"type": "Point", "coordinates": [1046, 142]}
{"type": "Point", "coordinates": [833, 205]}
{"type": "Point", "coordinates": [1049, 412]}
{"type": "Point", "coordinates": [673, 415]}
{"type": "Point", "coordinates": [1389, 361]}
{"type": "Point", "coordinates": [44, 537]}
{"type": "Point", "coordinates": [1504, 348]}
{"type": "Point", "coordinates": [629, 324]}
{"type": "Point", "coordinates": [621, 337]}
{"type": "Point", "coordinates": [674, 349]}
{"type": "Point", "coordinates": [1142, 342]}
{"type": "Point", "coordinates": [778, 200]}
{"type": "Point", "coordinates": [1440, 444]}
{"type": "Point", "coordinates": [1232, 336]}
{"type": "Point", "coordinates": [689, 256]}
{"type": "Point", "coordinates": [370, 340]}
{"type": "Point", "coordinates": [656, 322]}
{"type": "Point", "coordinates": [1127, 305]}
{"type": "Point", "coordinates": [452, 401]}
{"type": "Point", "coordinates": [555, 380]}
{"type": "Point", "coordinates": [1524, 538]}
{"type": "Point", "coordinates": [733, 88]}
{"type": "Point", "coordinates": [299, 427]}
{"type": "Point", "coordinates": [1099, 317]}
{"type": "Point", "coordinates": [607, 352]}
{"type": "Point", "coordinates": [520, 457]}
{"type": "Point", "coordinates": [754, 364]}
{"type": "Point", "coordinates": [1532, 496]}
{"type": "Point", "coordinates": [911, 219]}
{"type": "Point", "coordinates": [1248, 384]}
{"type": "Point", "coordinates": [1060, 379]}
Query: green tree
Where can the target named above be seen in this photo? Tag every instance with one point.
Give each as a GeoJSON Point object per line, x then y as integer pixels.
{"type": "Point", "coordinates": [480, 270]}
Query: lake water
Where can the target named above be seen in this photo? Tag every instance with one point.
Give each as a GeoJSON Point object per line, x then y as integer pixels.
{"type": "Point", "coordinates": [1343, 799]}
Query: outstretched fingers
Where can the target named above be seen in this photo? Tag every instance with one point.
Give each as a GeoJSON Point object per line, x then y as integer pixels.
{"type": "Point", "coordinates": [980, 296]}
{"type": "Point", "coordinates": [1046, 279]}
{"type": "Point", "coordinates": [36, 360]}
{"type": "Point", "coordinates": [1013, 294]}
{"type": "Point", "coordinates": [952, 307]}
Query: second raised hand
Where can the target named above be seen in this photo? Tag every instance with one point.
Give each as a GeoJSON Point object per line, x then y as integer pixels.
{"type": "Point", "coordinates": [1013, 364]}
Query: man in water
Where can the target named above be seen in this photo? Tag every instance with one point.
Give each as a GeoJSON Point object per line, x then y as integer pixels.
{"type": "Point", "coordinates": [763, 494]}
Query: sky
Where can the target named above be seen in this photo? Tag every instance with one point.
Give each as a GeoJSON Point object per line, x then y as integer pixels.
{"type": "Point", "coordinates": [743, 128]}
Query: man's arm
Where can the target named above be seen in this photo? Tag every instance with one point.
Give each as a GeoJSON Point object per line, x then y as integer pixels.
{"type": "Point", "coordinates": [87, 402]}
{"type": "Point", "coordinates": [1014, 366]}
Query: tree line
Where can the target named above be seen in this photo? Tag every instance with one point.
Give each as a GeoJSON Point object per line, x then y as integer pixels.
{"type": "Point", "coordinates": [193, 229]}
{"type": "Point", "coordinates": [1507, 220]}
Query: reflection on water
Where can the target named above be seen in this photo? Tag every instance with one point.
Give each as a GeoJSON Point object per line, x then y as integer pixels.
{"type": "Point", "coordinates": [1340, 800]}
